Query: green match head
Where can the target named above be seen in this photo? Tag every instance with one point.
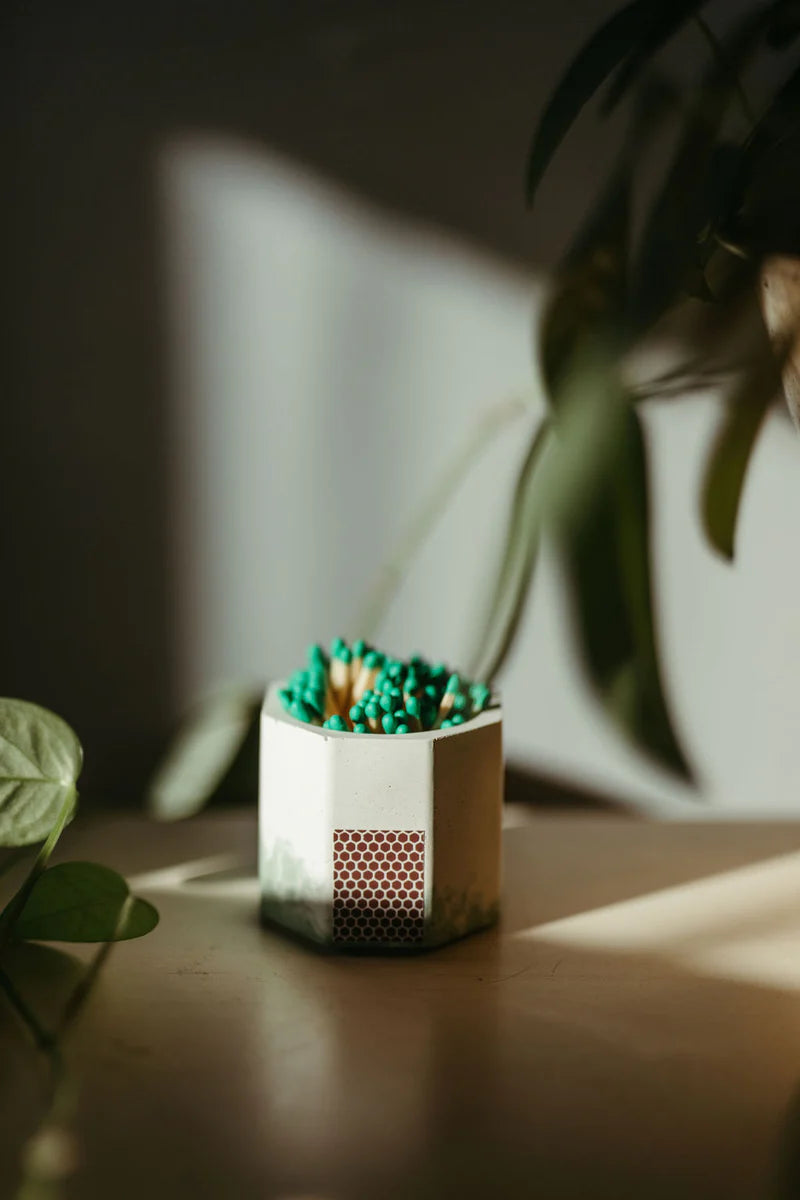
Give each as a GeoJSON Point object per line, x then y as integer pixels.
{"type": "Point", "coordinates": [360, 727]}
{"type": "Point", "coordinates": [316, 656]}
{"type": "Point", "coordinates": [336, 722]}
{"type": "Point", "coordinates": [457, 719]}
{"type": "Point", "coordinates": [453, 684]}
{"type": "Point", "coordinates": [388, 723]}
{"type": "Point", "coordinates": [359, 648]}
{"type": "Point", "coordinates": [387, 702]}
{"type": "Point", "coordinates": [357, 712]}
{"type": "Point", "coordinates": [414, 706]}
{"type": "Point", "coordinates": [301, 711]}
{"type": "Point", "coordinates": [314, 699]}
{"type": "Point", "coordinates": [402, 728]}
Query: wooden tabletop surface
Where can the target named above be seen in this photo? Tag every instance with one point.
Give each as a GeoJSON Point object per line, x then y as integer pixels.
{"type": "Point", "coordinates": [632, 1029]}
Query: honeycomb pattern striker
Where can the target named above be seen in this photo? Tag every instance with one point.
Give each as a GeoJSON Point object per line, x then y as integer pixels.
{"type": "Point", "coordinates": [378, 885]}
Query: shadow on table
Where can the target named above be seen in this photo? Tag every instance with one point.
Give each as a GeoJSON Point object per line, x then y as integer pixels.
{"type": "Point", "coordinates": [524, 1062]}
{"type": "Point", "coordinates": [542, 791]}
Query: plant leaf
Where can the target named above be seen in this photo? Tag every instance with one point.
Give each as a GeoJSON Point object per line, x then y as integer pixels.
{"type": "Point", "coordinates": [500, 624]}
{"type": "Point", "coordinates": [685, 203]}
{"type": "Point", "coordinates": [606, 548]}
{"type": "Point", "coordinates": [40, 760]}
{"type": "Point", "coordinates": [202, 754]}
{"type": "Point", "coordinates": [730, 455]}
{"type": "Point", "coordinates": [588, 300]}
{"type": "Point", "coordinates": [599, 56]}
{"type": "Point", "coordinates": [762, 211]}
{"type": "Point", "coordinates": [590, 286]}
{"type": "Point", "coordinates": [83, 902]}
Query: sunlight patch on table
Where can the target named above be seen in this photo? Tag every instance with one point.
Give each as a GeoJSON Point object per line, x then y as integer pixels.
{"type": "Point", "coordinates": [741, 925]}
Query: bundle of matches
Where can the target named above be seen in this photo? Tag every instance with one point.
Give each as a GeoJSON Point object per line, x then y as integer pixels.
{"type": "Point", "coordinates": [360, 689]}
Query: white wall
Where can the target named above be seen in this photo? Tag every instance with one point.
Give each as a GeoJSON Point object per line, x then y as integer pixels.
{"type": "Point", "coordinates": [325, 361]}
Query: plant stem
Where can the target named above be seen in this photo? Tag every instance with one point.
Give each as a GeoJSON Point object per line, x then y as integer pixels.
{"type": "Point", "coordinates": [18, 900]}
{"type": "Point", "coordinates": [45, 1041]}
{"type": "Point", "coordinates": [390, 575]}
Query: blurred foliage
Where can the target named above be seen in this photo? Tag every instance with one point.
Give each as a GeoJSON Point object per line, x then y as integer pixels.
{"type": "Point", "coordinates": [679, 262]}
{"type": "Point", "coordinates": [40, 762]}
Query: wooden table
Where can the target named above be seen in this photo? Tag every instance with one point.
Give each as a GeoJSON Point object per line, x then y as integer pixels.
{"type": "Point", "coordinates": [631, 1031]}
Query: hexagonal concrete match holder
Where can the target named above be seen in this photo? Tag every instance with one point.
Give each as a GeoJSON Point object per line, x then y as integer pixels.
{"type": "Point", "coordinates": [378, 841]}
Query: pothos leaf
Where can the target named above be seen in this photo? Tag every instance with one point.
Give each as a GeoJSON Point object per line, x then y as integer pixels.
{"type": "Point", "coordinates": [606, 549]}
{"type": "Point", "coordinates": [83, 902]}
{"type": "Point", "coordinates": [606, 48]}
{"type": "Point", "coordinates": [40, 761]}
{"type": "Point", "coordinates": [731, 452]}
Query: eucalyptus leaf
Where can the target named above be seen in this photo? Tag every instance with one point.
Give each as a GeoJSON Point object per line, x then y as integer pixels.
{"type": "Point", "coordinates": [40, 761]}
{"type": "Point", "coordinates": [83, 902]}
{"type": "Point", "coordinates": [607, 47]}
{"type": "Point", "coordinates": [203, 752]}
{"type": "Point", "coordinates": [732, 450]}
{"type": "Point", "coordinates": [606, 550]}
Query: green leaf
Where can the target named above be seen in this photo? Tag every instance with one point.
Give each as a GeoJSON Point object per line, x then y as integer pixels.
{"type": "Point", "coordinates": [607, 47]}
{"type": "Point", "coordinates": [202, 754]}
{"type": "Point", "coordinates": [512, 583]}
{"type": "Point", "coordinates": [588, 299]}
{"type": "Point", "coordinates": [730, 455]}
{"type": "Point", "coordinates": [83, 902]}
{"type": "Point", "coordinates": [687, 199]}
{"type": "Point", "coordinates": [40, 760]}
{"type": "Point", "coordinates": [606, 548]}
{"type": "Point", "coordinates": [590, 286]}
{"type": "Point", "coordinates": [762, 212]}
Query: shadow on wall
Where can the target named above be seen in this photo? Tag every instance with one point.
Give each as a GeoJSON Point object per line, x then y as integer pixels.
{"type": "Point", "coordinates": [89, 620]}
